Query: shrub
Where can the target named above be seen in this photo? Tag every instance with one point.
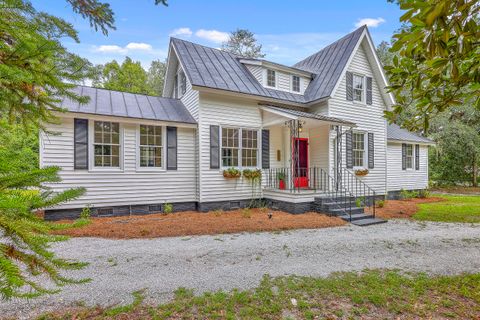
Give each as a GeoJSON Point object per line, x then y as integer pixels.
{"type": "Point", "coordinates": [424, 193]}
{"type": "Point", "coordinates": [359, 202]}
{"type": "Point", "coordinates": [167, 208]}
{"type": "Point", "coordinates": [406, 194]}
{"type": "Point", "coordinates": [380, 203]}
{"type": "Point", "coordinates": [86, 212]}
{"type": "Point", "coordinates": [246, 213]}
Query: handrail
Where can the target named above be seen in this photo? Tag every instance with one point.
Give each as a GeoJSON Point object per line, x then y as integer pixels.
{"type": "Point", "coordinates": [338, 191]}
{"type": "Point", "coordinates": [359, 188]}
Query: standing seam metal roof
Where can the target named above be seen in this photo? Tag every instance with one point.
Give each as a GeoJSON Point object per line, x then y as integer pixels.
{"type": "Point", "coordinates": [130, 105]}
{"type": "Point", "coordinates": [394, 132]}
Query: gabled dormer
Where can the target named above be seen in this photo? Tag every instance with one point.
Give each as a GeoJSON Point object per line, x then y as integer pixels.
{"type": "Point", "coordinates": [175, 85]}
{"type": "Point", "coordinates": [278, 77]}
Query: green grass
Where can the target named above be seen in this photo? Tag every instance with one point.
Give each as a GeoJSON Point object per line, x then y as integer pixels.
{"type": "Point", "coordinates": [374, 294]}
{"type": "Point", "coordinates": [453, 209]}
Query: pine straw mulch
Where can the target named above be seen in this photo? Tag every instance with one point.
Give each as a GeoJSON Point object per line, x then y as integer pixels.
{"type": "Point", "coordinates": [403, 208]}
{"type": "Point", "coordinates": [196, 223]}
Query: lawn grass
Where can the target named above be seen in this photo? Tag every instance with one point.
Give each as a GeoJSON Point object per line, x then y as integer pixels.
{"type": "Point", "coordinates": [453, 209]}
{"type": "Point", "coordinates": [372, 294]}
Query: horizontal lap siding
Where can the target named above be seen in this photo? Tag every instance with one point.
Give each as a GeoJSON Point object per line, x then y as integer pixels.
{"type": "Point", "coordinates": [369, 118]}
{"type": "Point", "coordinates": [190, 100]}
{"type": "Point", "coordinates": [406, 179]}
{"type": "Point", "coordinates": [223, 112]}
{"type": "Point", "coordinates": [277, 144]}
{"type": "Point", "coordinates": [318, 145]}
{"type": "Point", "coordinates": [121, 188]}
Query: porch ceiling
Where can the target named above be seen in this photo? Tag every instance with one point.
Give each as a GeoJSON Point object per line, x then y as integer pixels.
{"type": "Point", "coordinates": [282, 114]}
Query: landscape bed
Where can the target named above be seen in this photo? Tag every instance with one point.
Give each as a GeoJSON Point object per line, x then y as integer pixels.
{"type": "Point", "coordinates": [196, 223]}
{"type": "Point", "coordinates": [372, 294]}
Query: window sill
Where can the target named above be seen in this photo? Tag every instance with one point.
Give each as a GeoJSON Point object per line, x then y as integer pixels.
{"type": "Point", "coordinates": [152, 169]}
{"type": "Point", "coordinates": [99, 169]}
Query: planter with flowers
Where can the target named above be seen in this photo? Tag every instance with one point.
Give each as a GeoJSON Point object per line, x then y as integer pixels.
{"type": "Point", "coordinates": [232, 173]}
{"type": "Point", "coordinates": [281, 180]}
{"type": "Point", "coordinates": [361, 172]}
{"type": "Point", "coordinates": [250, 174]}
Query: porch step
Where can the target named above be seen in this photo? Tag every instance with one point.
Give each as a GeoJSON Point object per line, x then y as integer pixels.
{"type": "Point", "coordinates": [355, 216]}
{"type": "Point", "coordinates": [340, 212]}
{"type": "Point", "coordinates": [368, 221]}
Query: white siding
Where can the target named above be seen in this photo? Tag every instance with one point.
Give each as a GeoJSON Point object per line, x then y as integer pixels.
{"type": "Point", "coordinates": [123, 187]}
{"type": "Point", "coordinates": [406, 179]}
{"type": "Point", "coordinates": [256, 71]}
{"type": "Point", "coordinates": [190, 100]}
{"type": "Point", "coordinates": [215, 110]}
{"type": "Point", "coordinates": [318, 146]}
{"type": "Point", "coordinates": [284, 79]}
{"type": "Point", "coordinates": [369, 118]}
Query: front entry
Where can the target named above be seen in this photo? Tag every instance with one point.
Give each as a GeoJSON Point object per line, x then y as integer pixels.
{"type": "Point", "coordinates": [300, 161]}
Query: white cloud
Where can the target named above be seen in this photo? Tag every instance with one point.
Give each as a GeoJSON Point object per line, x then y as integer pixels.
{"type": "Point", "coordinates": [181, 32]}
{"type": "Point", "coordinates": [110, 49]}
{"type": "Point", "coordinates": [213, 35]}
{"type": "Point", "coordinates": [138, 46]}
{"type": "Point", "coordinates": [370, 22]}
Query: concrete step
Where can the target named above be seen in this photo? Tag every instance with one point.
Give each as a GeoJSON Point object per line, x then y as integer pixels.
{"type": "Point", "coordinates": [341, 211]}
{"type": "Point", "coordinates": [368, 222]}
{"type": "Point", "coordinates": [355, 216]}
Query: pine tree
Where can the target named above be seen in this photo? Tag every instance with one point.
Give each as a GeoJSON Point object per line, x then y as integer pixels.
{"type": "Point", "coordinates": [242, 42]}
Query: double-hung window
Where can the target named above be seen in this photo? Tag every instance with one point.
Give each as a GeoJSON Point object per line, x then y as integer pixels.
{"type": "Point", "coordinates": [183, 82]}
{"type": "Point", "coordinates": [296, 83]}
{"type": "Point", "coordinates": [409, 156]}
{"type": "Point", "coordinates": [358, 88]}
{"type": "Point", "coordinates": [106, 144]}
{"type": "Point", "coordinates": [358, 149]}
{"type": "Point", "coordinates": [271, 78]}
{"type": "Point", "coordinates": [239, 147]}
{"type": "Point", "coordinates": [151, 146]}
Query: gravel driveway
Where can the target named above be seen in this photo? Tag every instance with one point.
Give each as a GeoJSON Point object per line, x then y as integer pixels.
{"type": "Point", "coordinates": [119, 267]}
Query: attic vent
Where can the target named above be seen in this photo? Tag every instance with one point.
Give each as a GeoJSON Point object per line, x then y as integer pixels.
{"type": "Point", "coordinates": [155, 208]}
{"type": "Point", "coordinates": [105, 212]}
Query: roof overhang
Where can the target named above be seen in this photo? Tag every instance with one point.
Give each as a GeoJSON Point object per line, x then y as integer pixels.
{"type": "Point", "coordinates": [282, 114]}
{"type": "Point", "coordinates": [273, 65]}
{"type": "Point", "coordinates": [426, 143]}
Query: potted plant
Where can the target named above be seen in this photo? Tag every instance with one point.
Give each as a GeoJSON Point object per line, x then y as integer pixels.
{"type": "Point", "coordinates": [252, 174]}
{"type": "Point", "coordinates": [361, 172]}
{"type": "Point", "coordinates": [231, 173]}
{"type": "Point", "coordinates": [281, 180]}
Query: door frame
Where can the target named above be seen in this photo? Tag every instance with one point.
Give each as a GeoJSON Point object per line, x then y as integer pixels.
{"type": "Point", "coordinates": [302, 180]}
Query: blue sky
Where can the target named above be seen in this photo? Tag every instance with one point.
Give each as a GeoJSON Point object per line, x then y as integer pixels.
{"type": "Point", "coordinates": [288, 30]}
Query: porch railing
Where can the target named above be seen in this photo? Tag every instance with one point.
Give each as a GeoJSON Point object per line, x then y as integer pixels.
{"type": "Point", "coordinates": [362, 192]}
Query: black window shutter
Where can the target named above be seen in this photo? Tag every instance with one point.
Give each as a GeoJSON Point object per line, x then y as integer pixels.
{"type": "Point", "coordinates": [371, 151]}
{"type": "Point", "coordinates": [265, 149]}
{"type": "Point", "coordinates": [404, 156]}
{"type": "Point", "coordinates": [214, 147]}
{"type": "Point", "coordinates": [80, 128]}
{"type": "Point", "coordinates": [417, 157]}
{"type": "Point", "coordinates": [171, 148]}
{"type": "Point", "coordinates": [349, 86]}
{"type": "Point", "coordinates": [349, 149]}
{"type": "Point", "coordinates": [369, 90]}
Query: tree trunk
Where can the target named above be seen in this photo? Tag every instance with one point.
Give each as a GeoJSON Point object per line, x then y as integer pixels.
{"type": "Point", "coordinates": [475, 171]}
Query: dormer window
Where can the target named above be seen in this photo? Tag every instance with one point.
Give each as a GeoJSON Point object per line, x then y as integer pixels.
{"type": "Point", "coordinates": [295, 83]}
{"type": "Point", "coordinates": [358, 88]}
{"type": "Point", "coordinates": [271, 78]}
{"type": "Point", "coordinates": [183, 82]}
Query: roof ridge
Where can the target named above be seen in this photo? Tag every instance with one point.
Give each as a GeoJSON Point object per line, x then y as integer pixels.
{"type": "Point", "coordinates": [204, 46]}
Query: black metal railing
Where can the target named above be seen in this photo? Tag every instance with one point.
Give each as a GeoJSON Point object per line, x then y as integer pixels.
{"type": "Point", "coordinates": [363, 193]}
{"type": "Point", "coordinates": [316, 179]}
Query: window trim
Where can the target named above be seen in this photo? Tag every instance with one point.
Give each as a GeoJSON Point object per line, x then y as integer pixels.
{"type": "Point", "coordinates": [365, 150]}
{"type": "Point", "coordinates": [299, 83]}
{"type": "Point", "coordinates": [407, 168]}
{"type": "Point", "coordinates": [91, 148]}
{"type": "Point", "coordinates": [364, 89]}
{"type": "Point", "coordinates": [266, 78]}
{"type": "Point", "coordinates": [240, 146]}
{"type": "Point", "coordinates": [163, 168]}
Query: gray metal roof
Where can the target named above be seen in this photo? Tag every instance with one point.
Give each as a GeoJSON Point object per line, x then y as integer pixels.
{"type": "Point", "coordinates": [130, 105]}
{"type": "Point", "coordinates": [213, 68]}
{"type": "Point", "coordinates": [394, 132]}
{"type": "Point", "coordinates": [328, 64]}
{"type": "Point", "coordinates": [303, 114]}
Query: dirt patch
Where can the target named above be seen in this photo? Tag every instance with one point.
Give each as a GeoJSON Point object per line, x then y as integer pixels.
{"type": "Point", "coordinates": [196, 223]}
{"type": "Point", "coordinates": [402, 208]}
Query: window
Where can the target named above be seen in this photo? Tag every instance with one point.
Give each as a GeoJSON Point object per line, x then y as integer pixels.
{"type": "Point", "coordinates": [175, 87]}
{"type": "Point", "coordinates": [249, 148]}
{"type": "Point", "coordinates": [271, 81]}
{"type": "Point", "coordinates": [239, 143]}
{"type": "Point", "coordinates": [358, 149]}
{"type": "Point", "coordinates": [151, 146]}
{"type": "Point", "coordinates": [230, 144]}
{"type": "Point", "coordinates": [296, 83]}
{"type": "Point", "coordinates": [183, 82]}
{"type": "Point", "coordinates": [358, 88]}
{"type": "Point", "coordinates": [409, 156]}
{"type": "Point", "coordinates": [106, 144]}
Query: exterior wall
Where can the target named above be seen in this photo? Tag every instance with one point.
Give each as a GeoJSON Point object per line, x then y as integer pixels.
{"type": "Point", "coordinates": [190, 100]}
{"type": "Point", "coordinates": [318, 146]}
{"type": "Point", "coordinates": [129, 185]}
{"type": "Point", "coordinates": [410, 179]}
{"type": "Point", "coordinates": [223, 111]}
{"type": "Point", "coordinates": [369, 118]}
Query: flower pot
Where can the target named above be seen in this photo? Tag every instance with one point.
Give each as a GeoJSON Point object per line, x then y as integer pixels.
{"type": "Point", "coordinates": [281, 185]}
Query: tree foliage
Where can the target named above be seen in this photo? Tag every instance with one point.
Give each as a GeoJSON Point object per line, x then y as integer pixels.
{"type": "Point", "coordinates": [242, 42]}
{"type": "Point", "coordinates": [438, 63]}
{"type": "Point", "coordinates": [131, 77]}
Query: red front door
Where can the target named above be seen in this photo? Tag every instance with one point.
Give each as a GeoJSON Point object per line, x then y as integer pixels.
{"type": "Point", "coordinates": [300, 167]}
